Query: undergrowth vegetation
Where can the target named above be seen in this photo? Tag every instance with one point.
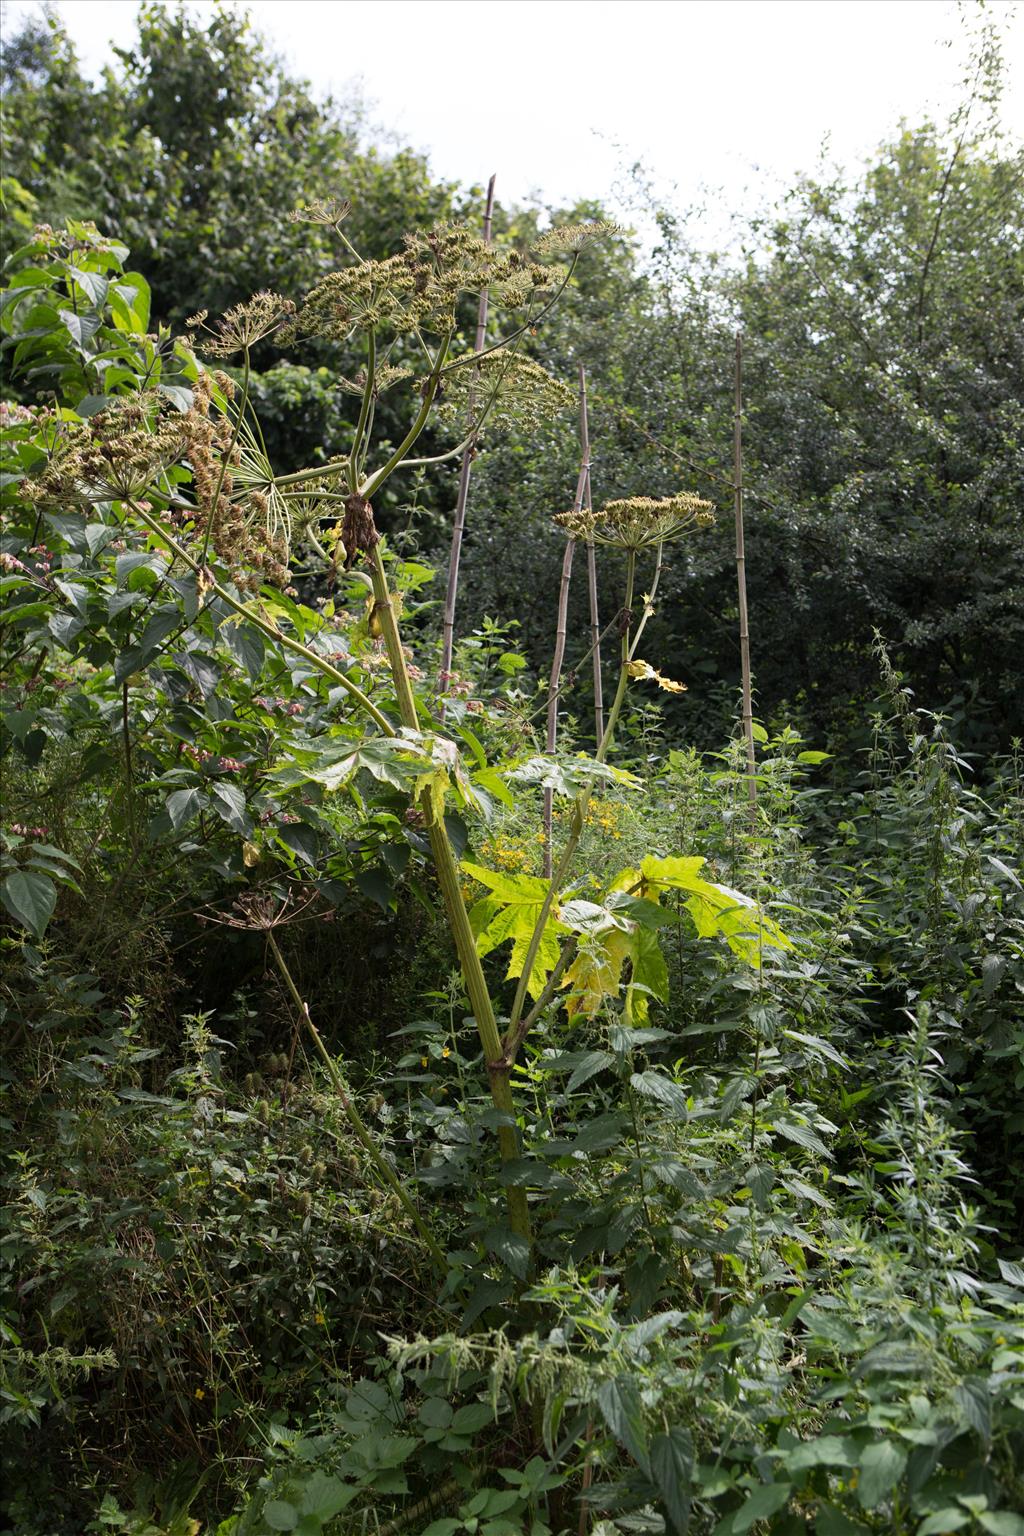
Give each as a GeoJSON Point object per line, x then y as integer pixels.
{"type": "Point", "coordinates": [415, 1124]}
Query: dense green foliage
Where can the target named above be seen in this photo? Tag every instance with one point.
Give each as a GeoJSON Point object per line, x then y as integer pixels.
{"type": "Point", "coordinates": [724, 1232]}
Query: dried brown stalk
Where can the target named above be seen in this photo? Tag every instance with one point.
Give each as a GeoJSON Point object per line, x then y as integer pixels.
{"type": "Point", "coordinates": [741, 574]}
{"type": "Point", "coordinates": [451, 593]}
{"type": "Point", "coordinates": [582, 485]}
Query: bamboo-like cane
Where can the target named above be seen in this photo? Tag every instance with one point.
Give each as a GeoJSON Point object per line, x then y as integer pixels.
{"type": "Point", "coordinates": [562, 620]}
{"type": "Point", "coordinates": [595, 623]}
{"type": "Point", "coordinates": [741, 574]}
{"type": "Point", "coordinates": [448, 632]}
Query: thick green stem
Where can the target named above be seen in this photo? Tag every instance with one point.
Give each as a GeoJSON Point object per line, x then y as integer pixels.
{"type": "Point", "coordinates": [371, 486]}
{"type": "Point", "coordinates": [498, 1069]}
{"type": "Point", "coordinates": [352, 1115]}
{"type": "Point", "coordinates": [579, 810]}
{"type": "Point", "coordinates": [356, 455]}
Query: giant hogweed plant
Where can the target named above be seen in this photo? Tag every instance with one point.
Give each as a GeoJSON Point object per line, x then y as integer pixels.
{"type": "Point", "coordinates": [178, 483]}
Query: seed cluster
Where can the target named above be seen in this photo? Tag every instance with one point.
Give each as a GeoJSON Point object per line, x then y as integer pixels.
{"type": "Point", "coordinates": [124, 452]}
{"type": "Point", "coordinates": [420, 287]}
{"type": "Point", "coordinates": [241, 327]}
{"type": "Point", "coordinates": [638, 522]}
{"type": "Point", "coordinates": [511, 389]}
{"type": "Point", "coordinates": [116, 456]}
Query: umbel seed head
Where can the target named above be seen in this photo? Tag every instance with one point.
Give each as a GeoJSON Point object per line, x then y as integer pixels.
{"type": "Point", "coordinates": [638, 522]}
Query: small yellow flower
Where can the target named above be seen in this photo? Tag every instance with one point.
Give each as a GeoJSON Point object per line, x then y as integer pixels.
{"type": "Point", "coordinates": [446, 1052]}
{"type": "Point", "coordinates": [199, 1394]}
{"type": "Point", "coordinates": [319, 1319]}
{"type": "Point", "coordinates": [423, 1061]}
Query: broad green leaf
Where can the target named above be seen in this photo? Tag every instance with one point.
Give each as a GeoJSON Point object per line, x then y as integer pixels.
{"type": "Point", "coordinates": [622, 1411]}
{"type": "Point", "coordinates": [655, 1085]}
{"type": "Point", "coordinates": [280, 1515]}
{"type": "Point", "coordinates": [325, 1496]}
{"type": "Point", "coordinates": [833, 1522]}
{"type": "Point", "coordinates": [229, 803]}
{"type": "Point", "coordinates": [1000, 1522]}
{"type": "Point", "coordinates": [473, 1417]}
{"type": "Point", "coordinates": [671, 1467]}
{"type": "Point", "coordinates": [30, 898]}
{"type": "Point", "coordinates": [943, 1521]}
{"type": "Point", "coordinates": [182, 806]}
{"type": "Point", "coordinates": [761, 1504]}
{"type": "Point", "coordinates": [511, 913]}
{"type": "Point", "coordinates": [826, 1451]}
{"type": "Point", "coordinates": [882, 1464]}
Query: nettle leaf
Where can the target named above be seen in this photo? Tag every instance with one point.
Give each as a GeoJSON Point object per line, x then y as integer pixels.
{"type": "Point", "coordinates": [510, 1248]}
{"type": "Point", "coordinates": [511, 913]}
{"type": "Point", "coordinates": [654, 1085]}
{"type": "Point", "coordinates": [622, 1411]}
{"type": "Point", "coordinates": [882, 1464]}
{"type": "Point", "coordinates": [672, 1466]}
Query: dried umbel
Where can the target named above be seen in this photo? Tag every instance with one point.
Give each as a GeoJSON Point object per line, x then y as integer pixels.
{"type": "Point", "coordinates": [322, 210]}
{"type": "Point", "coordinates": [506, 389]}
{"type": "Point", "coordinates": [385, 377]}
{"type": "Point", "coordinates": [237, 520]}
{"type": "Point", "coordinates": [117, 456]}
{"type": "Point", "coordinates": [638, 522]}
{"type": "Point", "coordinates": [240, 328]}
{"type": "Point", "coordinates": [420, 287]}
{"type": "Point", "coordinates": [122, 455]}
{"type": "Point", "coordinates": [573, 237]}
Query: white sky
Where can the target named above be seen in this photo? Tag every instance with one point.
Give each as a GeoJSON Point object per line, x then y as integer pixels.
{"type": "Point", "coordinates": [723, 101]}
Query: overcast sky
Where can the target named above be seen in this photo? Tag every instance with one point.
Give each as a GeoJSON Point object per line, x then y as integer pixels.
{"type": "Point", "coordinates": [723, 101]}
